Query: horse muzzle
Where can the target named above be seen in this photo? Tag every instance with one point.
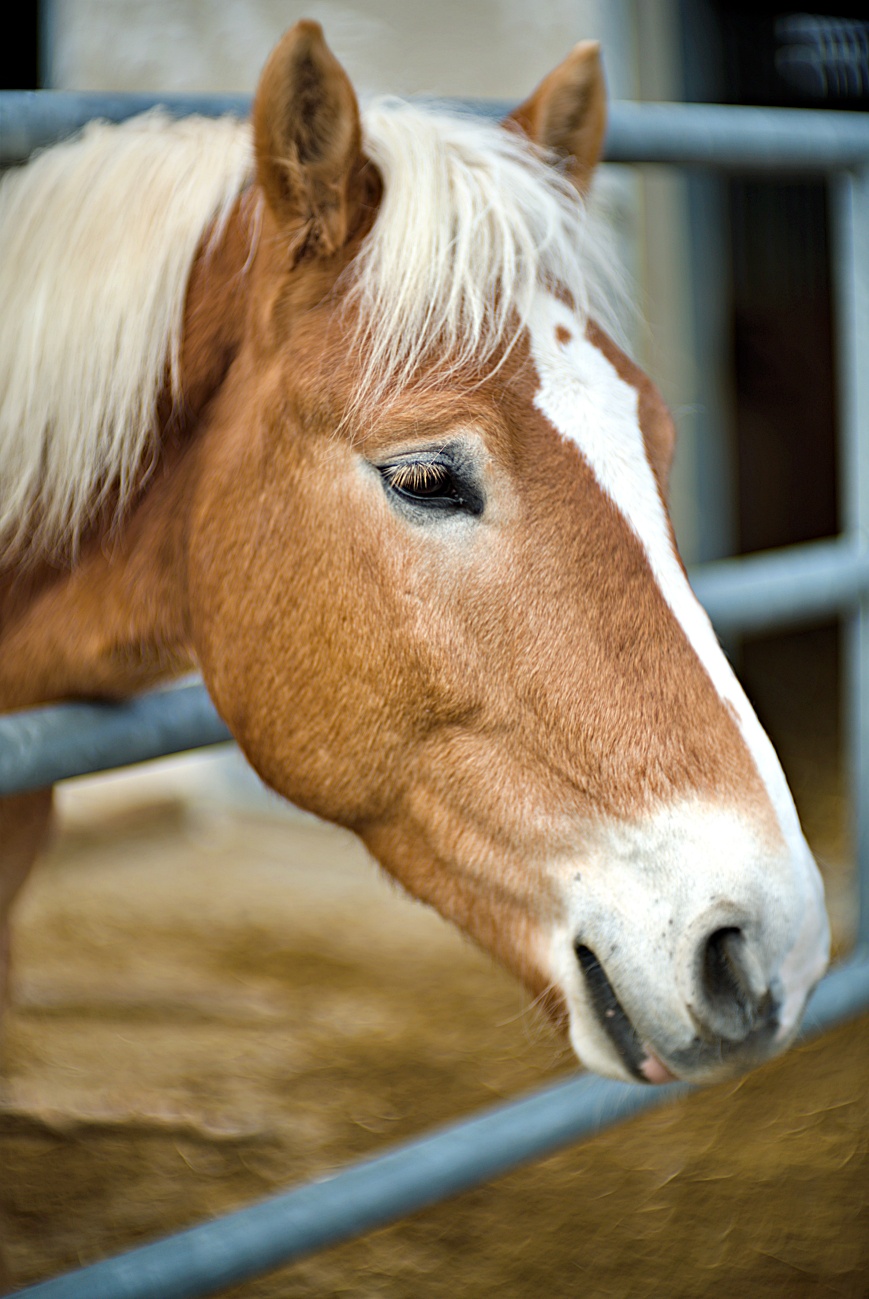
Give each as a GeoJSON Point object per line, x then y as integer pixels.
{"type": "Point", "coordinates": [734, 1013]}
{"type": "Point", "coordinates": [698, 983]}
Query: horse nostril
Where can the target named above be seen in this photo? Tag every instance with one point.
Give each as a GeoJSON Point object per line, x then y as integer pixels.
{"type": "Point", "coordinates": [736, 995]}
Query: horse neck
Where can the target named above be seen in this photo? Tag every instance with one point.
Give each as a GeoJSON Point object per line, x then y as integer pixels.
{"type": "Point", "coordinates": [116, 621]}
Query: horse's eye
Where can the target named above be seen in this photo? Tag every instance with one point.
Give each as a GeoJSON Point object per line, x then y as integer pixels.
{"type": "Point", "coordinates": [427, 482]}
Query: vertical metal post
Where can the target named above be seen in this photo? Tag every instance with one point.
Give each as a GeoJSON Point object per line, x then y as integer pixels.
{"type": "Point", "coordinates": [47, 31]}
{"type": "Point", "coordinates": [709, 272]}
{"type": "Point", "coordinates": [850, 223]}
{"type": "Point", "coordinates": [710, 275]}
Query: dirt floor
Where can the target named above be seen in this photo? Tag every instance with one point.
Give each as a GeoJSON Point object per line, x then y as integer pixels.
{"type": "Point", "coordinates": [216, 1000]}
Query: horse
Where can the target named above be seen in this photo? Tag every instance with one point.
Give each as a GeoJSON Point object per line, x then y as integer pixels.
{"type": "Point", "coordinates": [330, 407]}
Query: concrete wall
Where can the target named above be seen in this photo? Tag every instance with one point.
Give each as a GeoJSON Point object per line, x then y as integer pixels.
{"type": "Point", "coordinates": [496, 48]}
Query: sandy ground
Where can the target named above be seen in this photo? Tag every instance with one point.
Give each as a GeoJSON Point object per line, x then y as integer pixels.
{"type": "Point", "coordinates": [215, 1000]}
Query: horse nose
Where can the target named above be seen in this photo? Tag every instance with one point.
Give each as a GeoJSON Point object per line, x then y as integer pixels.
{"type": "Point", "coordinates": [734, 997]}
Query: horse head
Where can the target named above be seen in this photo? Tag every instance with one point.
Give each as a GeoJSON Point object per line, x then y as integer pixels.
{"type": "Point", "coordinates": [434, 587]}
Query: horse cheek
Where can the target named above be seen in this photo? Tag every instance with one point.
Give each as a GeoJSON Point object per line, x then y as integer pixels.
{"type": "Point", "coordinates": [294, 656]}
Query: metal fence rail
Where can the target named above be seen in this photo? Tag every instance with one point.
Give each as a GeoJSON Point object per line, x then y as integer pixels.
{"type": "Point", "coordinates": [789, 586]}
{"type": "Point", "coordinates": [699, 135]}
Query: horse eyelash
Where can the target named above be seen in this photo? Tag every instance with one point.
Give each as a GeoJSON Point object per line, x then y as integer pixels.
{"type": "Point", "coordinates": [416, 476]}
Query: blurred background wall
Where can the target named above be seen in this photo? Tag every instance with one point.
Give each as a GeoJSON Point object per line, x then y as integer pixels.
{"type": "Point", "coordinates": [409, 47]}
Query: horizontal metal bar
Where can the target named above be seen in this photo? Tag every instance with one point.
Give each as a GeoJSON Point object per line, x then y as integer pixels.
{"type": "Point", "coordinates": [776, 588]}
{"type": "Point", "coordinates": [58, 741]}
{"type": "Point", "coordinates": [736, 138]}
{"type": "Point", "coordinates": [687, 135]}
{"type": "Point", "coordinates": [53, 743]}
{"type": "Point", "coordinates": [248, 1243]}
{"type": "Point", "coordinates": [724, 137]}
{"type": "Point", "coordinates": [32, 119]}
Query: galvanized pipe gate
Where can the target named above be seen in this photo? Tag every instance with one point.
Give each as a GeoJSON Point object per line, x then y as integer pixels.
{"type": "Point", "coordinates": [760, 592]}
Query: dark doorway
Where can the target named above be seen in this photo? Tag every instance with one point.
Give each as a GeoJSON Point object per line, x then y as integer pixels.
{"type": "Point", "coordinates": [20, 51]}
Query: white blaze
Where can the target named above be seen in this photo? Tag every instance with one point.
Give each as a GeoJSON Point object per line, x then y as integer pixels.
{"type": "Point", "coordinates": [585, 399]}
{"type": "Point", "coordinates": [651, 888]}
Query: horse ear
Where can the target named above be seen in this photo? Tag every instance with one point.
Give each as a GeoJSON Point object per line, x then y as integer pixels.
{"type": "Point", "coordinates": [567, 112]}
{"type": "Point", "coordinates": [308, 141]}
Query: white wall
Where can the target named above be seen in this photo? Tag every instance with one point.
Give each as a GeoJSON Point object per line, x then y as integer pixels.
{"type": "Point", "coordinates": [497, 48]}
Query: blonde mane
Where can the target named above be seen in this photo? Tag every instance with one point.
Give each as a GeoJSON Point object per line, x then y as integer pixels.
{"type": "Point", "coordinates": [99, 236]}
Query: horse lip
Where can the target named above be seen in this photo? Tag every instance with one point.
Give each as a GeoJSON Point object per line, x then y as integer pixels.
{"type": "Point", "coordinates": [633, 1053]}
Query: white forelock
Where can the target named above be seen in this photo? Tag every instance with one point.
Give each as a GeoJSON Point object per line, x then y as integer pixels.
{"type": "Point", "coordinates": [99, 236]}
{"type": "Point", "coordinates": [473, 219]}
